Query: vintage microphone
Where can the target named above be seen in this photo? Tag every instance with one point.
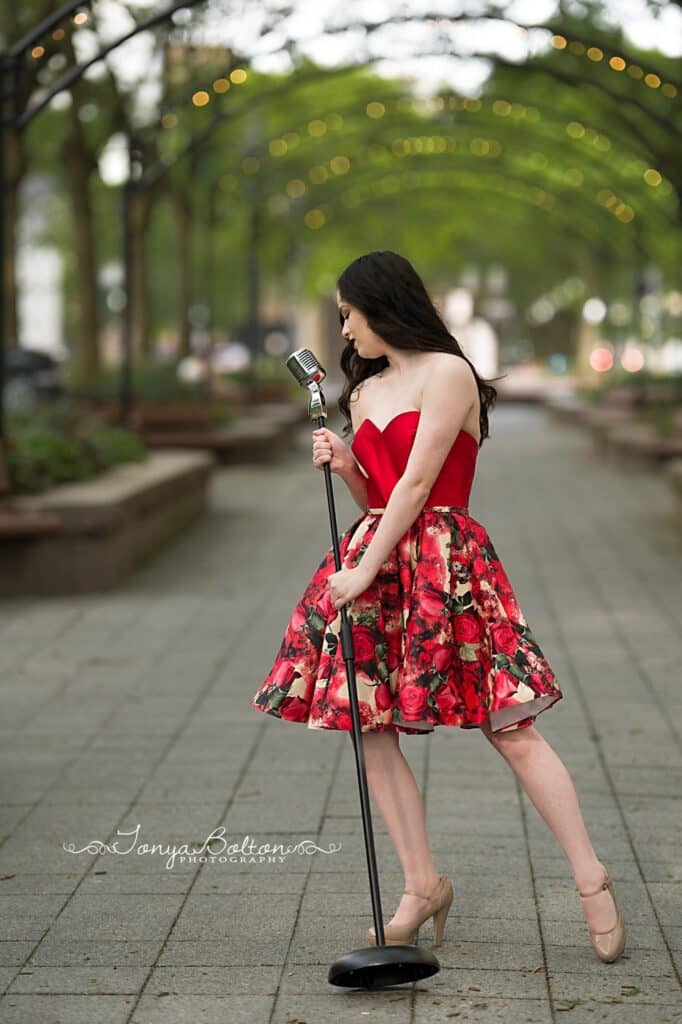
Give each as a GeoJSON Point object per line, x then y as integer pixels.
{"type": "Point", "coordinates": [379, 966]}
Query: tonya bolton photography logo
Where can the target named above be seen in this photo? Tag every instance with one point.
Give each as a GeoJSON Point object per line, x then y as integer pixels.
{"type": "Point", "coordinates": [248, 851]}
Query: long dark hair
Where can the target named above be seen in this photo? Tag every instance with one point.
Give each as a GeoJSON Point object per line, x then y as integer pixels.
{"type": "Point", "coordinates": [387, 289]}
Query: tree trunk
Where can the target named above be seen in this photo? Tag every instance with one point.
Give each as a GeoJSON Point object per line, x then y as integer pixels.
{"type": "Point", "coordinates": [85, 356]}
{"type": "Point", "coordinates": [16, 167]}
{"type": "Point", "coordinates": [141, 316]}
{"type": "Point", "coordinates": [80, 163]}
{"type": "Point", "coordinates": [183, 216]}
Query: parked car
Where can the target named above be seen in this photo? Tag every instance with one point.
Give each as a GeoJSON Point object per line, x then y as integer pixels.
{"type": "Point", "coordinates": [31, 376]}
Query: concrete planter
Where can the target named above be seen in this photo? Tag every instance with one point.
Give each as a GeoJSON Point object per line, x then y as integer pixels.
{"type": "Point", "coordinates": [640, 441]}
{"type": "Point", "coordinates": [261, 434]}
{"type": "Point", "coordinates": [96, 533]}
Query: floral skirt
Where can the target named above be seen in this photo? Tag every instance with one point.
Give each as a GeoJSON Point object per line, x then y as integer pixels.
{"type": "Point", "coordinates": [438, 638]}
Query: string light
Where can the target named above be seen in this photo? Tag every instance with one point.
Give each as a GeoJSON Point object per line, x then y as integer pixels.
{"type": "Point", "coordinates": [314, 219]}
{"type": "Point", "coordinates": [616, 63]}
{"type": "Point", "coordinates": [575, 129]}
{"type": "Point", "coordinates": [238, 76]}
{"type": "Point", "coordinates": [37, 52]}
{"type": "Point", "coordinates": [221, 85]}
{"type": "Point", "coordinates": [200, 98]}
{"type": "Point", "coordinates": [295, 188]}
{"type": "Point", "coordinates": [478, 146]}
{"type": "Point", "coordinates": [340, 164]}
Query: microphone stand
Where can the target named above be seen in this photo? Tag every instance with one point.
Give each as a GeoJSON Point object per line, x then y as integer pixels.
{"type": "Point", "coordinates": [379, 966]}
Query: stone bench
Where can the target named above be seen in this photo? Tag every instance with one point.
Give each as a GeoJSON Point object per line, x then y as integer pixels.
{"type": "Point", "coordinates": [17, 523]}
{"type": "Point", "coordinates": [640, 440]}
{"type": "Point", "coordinates": [98, 531]}
{"type": "Point", "coordinates": [259, 436]}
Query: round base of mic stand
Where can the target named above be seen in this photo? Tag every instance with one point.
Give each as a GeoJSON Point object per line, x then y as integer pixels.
{"type": "Point", "coordinates": [376, 967]}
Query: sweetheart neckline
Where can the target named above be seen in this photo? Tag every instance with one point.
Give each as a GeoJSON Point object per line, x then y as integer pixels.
{"type": "Point", "coordinates": [406, 412]}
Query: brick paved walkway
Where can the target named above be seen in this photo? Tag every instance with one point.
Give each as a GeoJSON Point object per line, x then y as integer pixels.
{"type": "Point", "coordinates": [131, 709]}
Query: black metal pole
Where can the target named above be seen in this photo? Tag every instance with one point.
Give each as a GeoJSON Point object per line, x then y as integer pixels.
{"type": "Point", "coordinates": [253, 272]}
{"type": "Point", "coordinates": [126, 379]}
{"type": "Point", "coordinates": [4, 132]}
{"type": "Point", "coordinates": [71, 76]}
{"type": "Point", "coordinates": [346, 635]}
{"type": "Point", "coordinates": [211, 227]}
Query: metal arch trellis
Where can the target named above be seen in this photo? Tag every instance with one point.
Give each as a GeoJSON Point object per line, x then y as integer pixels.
{"type": "Point", "coordinates": [205, 136]}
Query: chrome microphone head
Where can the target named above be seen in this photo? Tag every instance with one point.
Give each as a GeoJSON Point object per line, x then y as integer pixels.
{"type": "Point", "coordinates": [305, 367]}
{"type": "Point", "coordinates": [309, 374]}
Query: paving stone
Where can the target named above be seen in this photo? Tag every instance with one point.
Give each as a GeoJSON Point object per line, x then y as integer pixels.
{"type": "Point", "coordinates": [192, 1009]}
{"type": "Point", "coordinates": [392, 1006]}
{"type": "Point", "coordinates": [92, 916]}
{"type": "Point", "coordinates": [14, 953]}
{"type": "Point", "coordinates": [623, 987]}
{"type": "Point", "coordinates": [216, 980]}
{"type": "Point", "coordinates": [482, 1010]}
{"type": "Point", "coordinates": [80, 1009]}
{"type": "Point", "coordinates": [54, 952]}
{"type": "Point", "coordinates": [78, 980]}
{"type": "Point", "coordinates": [591, 1011]}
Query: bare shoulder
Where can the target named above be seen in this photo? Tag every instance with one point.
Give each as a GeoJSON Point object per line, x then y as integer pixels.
{"type": "Point", "coordinates": [451, 363]}
{"type": "Point", "coordinates": [454, 372]}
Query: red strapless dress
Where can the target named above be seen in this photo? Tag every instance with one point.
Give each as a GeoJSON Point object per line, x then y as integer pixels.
{"type": "Point", "coordinates": [438, 636]}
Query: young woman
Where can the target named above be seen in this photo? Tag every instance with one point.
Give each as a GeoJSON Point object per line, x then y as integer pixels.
{"type": "Point", "coordinates": [439, 637]}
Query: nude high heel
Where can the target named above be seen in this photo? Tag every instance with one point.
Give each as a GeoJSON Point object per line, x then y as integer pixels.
{"type": "Point", "coordinates": [437, 906]}
{"type": "Point", "coordinates": [610, 944]}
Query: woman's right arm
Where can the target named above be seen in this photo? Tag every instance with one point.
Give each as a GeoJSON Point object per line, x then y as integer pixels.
{"type": "Point", "coordinates": [356, 483]}
{"type": "Point", "coordinates": [329, 447]}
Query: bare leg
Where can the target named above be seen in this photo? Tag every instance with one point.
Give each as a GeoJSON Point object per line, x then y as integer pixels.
{"type": "Point", "coordinates": [550, 788]}
{"type": "Point", "coordinates": [395, 791]}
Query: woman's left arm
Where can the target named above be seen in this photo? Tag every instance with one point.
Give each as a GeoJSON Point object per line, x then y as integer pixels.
{"type": "Point", "coordinates": [446, 400]}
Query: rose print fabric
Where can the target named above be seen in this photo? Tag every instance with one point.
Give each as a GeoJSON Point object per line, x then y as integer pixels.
{"type": "Point", "coordinates": [438, 636]}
